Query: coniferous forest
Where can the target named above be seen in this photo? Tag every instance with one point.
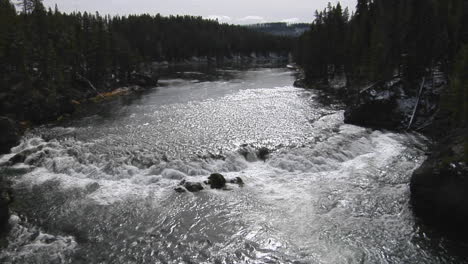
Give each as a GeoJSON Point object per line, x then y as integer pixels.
{"type": "Point", "coordinates": [177, 139]}
{"type": "Point", "coordinates": [48, 58]}
{"type": "Point", "coordinates": [397, 55]}
{"type": "Point", "coordinates": [409, 39]}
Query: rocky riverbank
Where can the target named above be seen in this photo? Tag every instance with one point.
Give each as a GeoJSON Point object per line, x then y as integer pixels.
{"type": "Point", "coordinates": [439, 187]}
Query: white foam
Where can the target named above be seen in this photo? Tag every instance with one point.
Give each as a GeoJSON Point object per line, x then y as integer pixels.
{"type": "Point", "coordinates": [28, 244]}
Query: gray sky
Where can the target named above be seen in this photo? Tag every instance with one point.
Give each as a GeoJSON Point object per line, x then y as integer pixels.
{"type": "Point", "coordinates": [229, 11]}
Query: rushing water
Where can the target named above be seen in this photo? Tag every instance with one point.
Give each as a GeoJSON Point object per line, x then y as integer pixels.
{"type": "Point", "coordinates": [100, 188]}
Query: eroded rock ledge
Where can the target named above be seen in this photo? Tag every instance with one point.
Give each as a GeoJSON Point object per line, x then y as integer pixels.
{"type": "Point", "coordinates": [439, 188]}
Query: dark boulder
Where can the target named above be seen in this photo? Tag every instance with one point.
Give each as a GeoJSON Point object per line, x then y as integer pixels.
{"type": "Point", "coordinates": [263, 153]}
{"type": "Point", "coordinates": [23, 155]}
{"type": "Point", "coordinates": [216, 181]}
{"type": "Point", "coordinates": [18, 158]}
{"type": "Point", "coordinates": [439, 187]}
{"type": "Point", "coordinates": [375, 107]}
{"type": "Point", "coordinates": [9, 135]}
{"type": "Point", "coordinates": [180, 189]}
{"type": "Point", "coordinates": [189, 186]}
{"type": "Point", "coordinates": [439, 196]}
{"type": "Point", "coordinates": [395, 105]}
{"type": "Point", "coordinates": [193, 186]}
{"type": "Point", "coordinates": [237, 180]}
{"type": "Point", "coordinates": [144, 80]}
{"type": "Point", "coordinates": [5, 200]}
{"type": "Point", "coordinates": [300, 83]}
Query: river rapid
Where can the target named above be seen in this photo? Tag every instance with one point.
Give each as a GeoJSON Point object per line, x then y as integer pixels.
{"type": "Point", "coordinates": [100, 188]}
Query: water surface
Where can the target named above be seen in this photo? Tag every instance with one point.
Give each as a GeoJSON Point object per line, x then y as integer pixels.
{"type": "Point", "coordinates": [99, 188]}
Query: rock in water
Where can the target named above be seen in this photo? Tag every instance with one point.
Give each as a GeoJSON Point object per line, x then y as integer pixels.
{"type": "Point", "coordinates": [9, 135]}
{"type": "Point", "coordinates": [18, 158]}
{"type": "Point", "coordinates": [263, 153]}
{"type": "Point", "coordinates": [188, 186]}
{"type": "Point", "coordinates": [180, 189]}
{"type": "Point", "coordinates": [216, 181]}
{"type": "Point", "coordinates": [22, 156]}
{"type": "Point", "coordinates": [238, 181]}
{"type": "Point", "coordinates": [193, 186]}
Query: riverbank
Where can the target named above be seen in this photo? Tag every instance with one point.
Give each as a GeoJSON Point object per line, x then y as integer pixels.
{"type": "Point", "coordinates": [25, 107]}
{"type": "Point", "coordinates": [107, 179]}
{"type": "Point", "coordinates": [28, 104]}
{"type": "Point", "coordinates": [438, 187]}
{"type": "Point", "coordinates": [25, 111]}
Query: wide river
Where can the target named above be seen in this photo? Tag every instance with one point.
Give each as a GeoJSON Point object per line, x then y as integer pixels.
{"type": "Point", "coordinates": [100, 188]}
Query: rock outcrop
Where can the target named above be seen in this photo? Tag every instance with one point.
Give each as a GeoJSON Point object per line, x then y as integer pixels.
{"type": "Point", "coordinates": [374, 107]}
{"type": "Point", "coordinates": [387, 105]}
{"type": "Point", "coordinates": [9, 135]}
{"type": "Point", "coordinates": [438, 187]}
{"type": "Point", "coordinates": [144, 80]}
{"type": "Point", "coordinates": [216, 181]}
{"type": "Point", "coordinates": [5, 200]}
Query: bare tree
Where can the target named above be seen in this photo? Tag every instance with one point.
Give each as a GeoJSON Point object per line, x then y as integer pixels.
{"type": "Point", "coordinates": [28, 5]}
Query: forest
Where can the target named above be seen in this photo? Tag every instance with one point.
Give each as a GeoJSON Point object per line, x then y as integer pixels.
{"type": "Point", "coordinates": [281, 28]}
{"type": "Point", "coordinates": [45, 55]}
{"type": "Point", "coordinates": [409, 39]}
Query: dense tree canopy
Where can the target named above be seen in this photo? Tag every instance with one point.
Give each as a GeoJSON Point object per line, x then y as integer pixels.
{"type": "Point", "coordinates": [45, 55]}
{"type": "Point", "coordinates": [382, 39]}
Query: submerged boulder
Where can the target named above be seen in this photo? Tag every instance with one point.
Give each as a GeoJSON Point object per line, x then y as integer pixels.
{"type": "Point", "coordinates": [237, 180]}
{"type": "Point", "coordinates": [193, 186]}
{"type": "Point", "coordinates": [9, 135]}
{"type": "Point", "coordinates": [189, 186]}
{"type": "Point", "coordinates": [23, 155]}
{"type": "Point", "coordinates": [216, 181]}
{"type": "Point", "coordinates": [263, 153]}
{"type": "Point", "coordinates": [180, 189]}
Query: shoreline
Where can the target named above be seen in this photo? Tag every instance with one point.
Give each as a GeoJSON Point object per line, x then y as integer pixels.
{"type": "Point", "coordinates": [438, 196]}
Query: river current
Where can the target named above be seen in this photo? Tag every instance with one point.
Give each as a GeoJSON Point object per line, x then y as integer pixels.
{"type": "Point", "coordinates": [100, 188]}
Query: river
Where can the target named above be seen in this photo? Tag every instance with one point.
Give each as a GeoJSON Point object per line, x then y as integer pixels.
{"type": "Point", "coordinates": [100, 188]}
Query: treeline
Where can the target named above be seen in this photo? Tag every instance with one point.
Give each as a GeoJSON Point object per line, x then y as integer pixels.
{"type": "Point", "coordinates": [47, 54]}
{"type": "Point", "coordinates": [281, 28]}
{"type": "Point", "coordinates": [382, 39]}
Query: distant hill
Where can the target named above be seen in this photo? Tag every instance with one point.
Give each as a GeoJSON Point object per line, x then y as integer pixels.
{"type": "Point", "coordinates": [281, 28]}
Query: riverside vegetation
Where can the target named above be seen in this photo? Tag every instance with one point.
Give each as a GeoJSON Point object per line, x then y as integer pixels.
{"type": "Point", "coordinates": [48, 59]}
{"type": "Point", "coordinates": [51, 62]}
{"type": "Point", "coordinates": [410, 55]}
{"type": "Point", "coordinates": [402, 65]}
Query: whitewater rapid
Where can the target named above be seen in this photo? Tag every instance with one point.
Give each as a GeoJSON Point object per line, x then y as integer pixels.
{"type": "Point", "coordinates": [100, 188]}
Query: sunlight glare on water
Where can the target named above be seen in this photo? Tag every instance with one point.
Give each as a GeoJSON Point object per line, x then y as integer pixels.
{"type": "Point", "coordinates": [99, 188]}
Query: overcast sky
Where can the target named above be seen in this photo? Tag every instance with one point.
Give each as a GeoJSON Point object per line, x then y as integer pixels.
{"type": "Point", "coordinates": [229, 11]}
